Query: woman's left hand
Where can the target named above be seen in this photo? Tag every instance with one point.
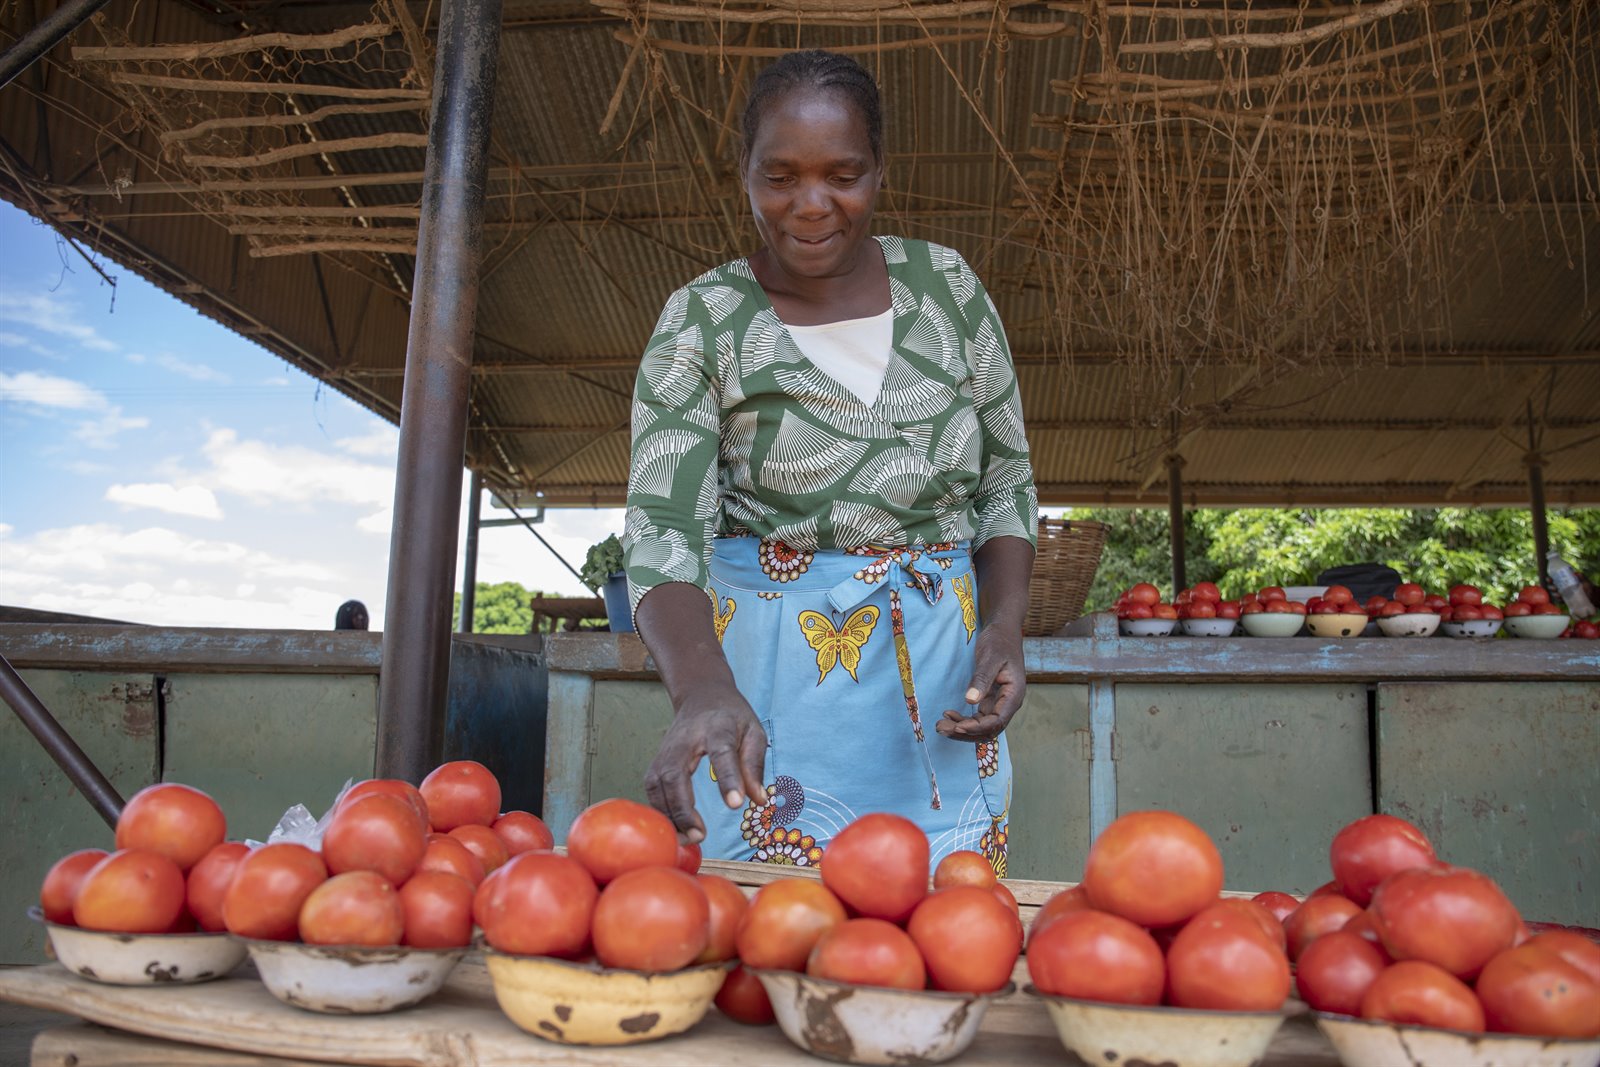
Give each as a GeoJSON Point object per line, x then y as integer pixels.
{"type": "Point", "coordinates": [997, 688]}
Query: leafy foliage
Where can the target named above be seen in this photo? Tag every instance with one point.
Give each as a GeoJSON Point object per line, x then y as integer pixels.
{"type": "Point", "coordinates": [1245, 549]}
{"type": "Point", "coordinates": [498, 608]}
{"type": "Point", "coordinates": [604, 560]}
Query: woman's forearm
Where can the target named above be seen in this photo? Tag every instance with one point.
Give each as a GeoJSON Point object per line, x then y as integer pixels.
{"type": "Point", "coordinates": [1005, 568]}
{"type": "Point", "coordinates": [675, 624]}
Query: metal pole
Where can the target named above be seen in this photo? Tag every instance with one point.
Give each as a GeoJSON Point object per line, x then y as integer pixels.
{"type": "Point", "coordinates": [1175, 519]}
{"type": "Point", "coordinates": [1541, 524]}
{"type": "Point", "coordinates": [45, 35]}
{"type": "Point", "coordinates": [469, 566]}
{"type": "Point", "coordinates": [62, 748]}
{"type": "Point", "coordinates": [414, 681]}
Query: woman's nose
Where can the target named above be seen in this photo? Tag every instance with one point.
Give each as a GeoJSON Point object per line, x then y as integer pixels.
{"type": "Point", "coordinates": [813, 198]}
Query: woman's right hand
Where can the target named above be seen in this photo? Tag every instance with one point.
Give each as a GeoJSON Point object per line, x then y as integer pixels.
{"type": "Point", "coordinates": [720, 726]}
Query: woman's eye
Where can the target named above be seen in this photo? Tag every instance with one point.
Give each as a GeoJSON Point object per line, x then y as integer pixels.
{"type": "Point", "coordinates": [779, 179]}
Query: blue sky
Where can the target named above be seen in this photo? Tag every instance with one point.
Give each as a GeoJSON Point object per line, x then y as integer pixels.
{"type": "Point", "coordinates": [156, 467]}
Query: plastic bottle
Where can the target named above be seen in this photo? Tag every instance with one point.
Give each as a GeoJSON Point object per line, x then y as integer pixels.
{"type": "Point", "coordinates": [1568, 586]}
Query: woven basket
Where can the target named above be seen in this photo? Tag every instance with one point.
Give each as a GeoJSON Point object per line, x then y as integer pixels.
{"type": "Point", "coordinates": [1063, 569]}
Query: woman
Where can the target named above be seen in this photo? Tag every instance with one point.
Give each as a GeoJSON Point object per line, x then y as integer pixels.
{"type": "Point", "coordinates": [828, 450]}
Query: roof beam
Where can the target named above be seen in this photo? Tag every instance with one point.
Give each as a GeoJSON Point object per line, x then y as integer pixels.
{"type": "Point", "coordinates": [1252, 425]}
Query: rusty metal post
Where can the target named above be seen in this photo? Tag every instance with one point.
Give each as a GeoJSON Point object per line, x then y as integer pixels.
{"type": "Point", "coordinates": [62, 748]}
{"type": "Point", "coordinates": [1175, 520]}
{"type": "Point", "coordinates": [45, 35]}
{"type": "Point", "coordinates": [469, 565]}
{"type": "Point", "coordinates": [413, 684]}
{"type": "Point", "coordinates": [1541, 522]}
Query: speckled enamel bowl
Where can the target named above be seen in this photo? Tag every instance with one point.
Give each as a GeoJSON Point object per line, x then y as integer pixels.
{"type": "Point", "coordinates": [141, 959]}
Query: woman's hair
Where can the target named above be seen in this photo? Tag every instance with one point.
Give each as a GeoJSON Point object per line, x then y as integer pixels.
{"type": "Point", "coordinates": [816, 69]}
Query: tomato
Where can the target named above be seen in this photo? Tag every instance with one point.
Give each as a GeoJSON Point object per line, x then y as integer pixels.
{"type": "Point", "coordinates": [1144, 593]}
{"type": "Point", "coordinates": [378, 832]}
{"type": "Point", "coordinates": [1335, 971]}
{"type": "Point", "coordinates": [969, 939]}
{"type": "Point", "coordinates": [728, 905]}
{"type": "Point", "coordinates": [1373, 847]}
{"type": "Point", "coordinates": [1533, 594]}
{"type": "Point", "coordinates": [1467, 612]}
{"type": "Point", "coordinates": [1409, 593]}
{"type": "Point", "coordinates": [1573, 947]}
{"type": "Point", "coordinates": [354, 908]}
{"type": "Point", "coordinates": [1006, 897]}
{"type": "Point", "coordinates": [1587, 630]}
{"type": "Point", "coordinates": [446, 853]}
{"type": "Point", "coordinates": [878, 866]}
{"type": "Point", "coordinates": [1140, 611]}
{"type": "Point", "coordinates": [1532, 990]}
{"type": "Point", "coordinates": [209, 879]}
{"type": "Point", "coordinates": [1094, 955]}
{"type": "Point", "coordinates": [1164, 611]}
{"type": "Point", "coordinates": [1325, 889]}
{"type": "Point", "coordinates": [1271, 592]}
{"type": "Point", "coordinates": [1416, 993]}
{"type": "Point", "coordinates": [1063, 903]}
{"type": "Point", "coordinates": [178, 821]}
{"type": "Point", "coordinates": [1394, 607]}
{"type": "Point", "coordinates": [131, 891]}
{"type": "Point", "coordinates": [1228, 609]}
{"type": "Point", "coordinates": [483, 843]}
{"type": "Point", "coordinates": [1316, 917]}
{"type": "Point", "coordinates": [617, 835]}
{"type": "Point", "coordinates": [964, 868]}
{"type": "Point", "coordinates": [523, 831]}
{"type": "Point", "coordinates": [1261, 916]}
{"type": "Point", "coordinates": [743, 999]}
{"type": "Point", "coordinates": [1155, 868]}
{"type": "Point", "coordinates": [263, 900]}
{"type": "Point", "coordinates": [62, 881]}
{"type": "Point", "coordinates": [437, 906]}
{"type": "Point", "coordinates": [871, 952]}
{"type": "Point", "coordinates": [537, 904]}
{"type": "Point", "coordinates": [1279, 904]}
{"type": "Point", "coordinates": [461, 793]}
{"type": "Point", "coordinates": [1281, 606]}
{"type": "Point", "coordinates": [1491, 611]}
{"type": "Point", "coordinates": [651, 919]}
{"type": "Point", "coordinates": [1202, 609]}
{"type": "Point", "coordinates": [1363, 927]}
{"type": "Point", "coordinates": [1450, 916]}
{"type": "Point", "coordinates": [689, 858]}
{"type": "Point", "coordinates": [393, 787]}
{"type": "Point", "coordinates": [1222, 961]}
{"type": "Point", "coordinates": [785, 920]}
{"type": "Point", "coordinates": [1338, 594]}
{"type": "Point", "coordinates": [1205, 591]}
{"type": "Point", "coordinates": [1465, 594]}
{"type": "Point", "coordinates": [1517, 609]}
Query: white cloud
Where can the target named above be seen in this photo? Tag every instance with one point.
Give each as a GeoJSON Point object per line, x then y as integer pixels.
{"type": "Point", "coordinates": [193, 500]}
{"type": "Point", "coordinates": [382, 442]}
{"type": "Point", "coordinates": [101, 432]}
{"type": "Point", "coordinates": [16, 340]}
{"type": "Point", "coordinates": [197, 371]}
{"type": "Point", "coordinates": [50, 391]}
{"type": "Point", "coordinates": [293, 475]}
{"type": "Point", "coordinates": [52, 316]}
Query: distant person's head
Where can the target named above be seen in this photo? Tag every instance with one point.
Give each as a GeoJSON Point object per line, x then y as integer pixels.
{"type": "Point", "coordinates": [352, 616]}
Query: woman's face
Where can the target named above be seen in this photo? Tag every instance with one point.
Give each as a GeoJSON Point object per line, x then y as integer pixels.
{"type": "Point", "coordinates": [812, 181]}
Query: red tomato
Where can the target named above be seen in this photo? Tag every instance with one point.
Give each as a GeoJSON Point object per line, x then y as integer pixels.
{"type": "Point", "coordinates": [1372, 848]}
{"type": "Point", "coordinates": [131, 891]}
{"type": "Point", "coordinates": [1533, 594]}
{"type": "Point", "coordinates": [446, 853]}
{"type": "Point", "coordinates": [1316, 917]}
{"type": "Point", "coordinates": [1155, 868]}
{"type": "Point", "coordinates": [1490, 611]}
{"type": "Point", "coordinates": [1324, 889]}
{"type": "Point", "coordinates": [1140, 611]}
{"type": "Point", "coordinates": [1094, 955]}
{"type": "Point", "coordinates": [460, 793]}
{"type": "Point", "coordinates": [1144, 593]}
{"type": "Point", "coordinates": [523, 831]}
{"type": "Point", "coordinates": [1587, 630]}
{"type": "Point", "coordinates": [1297, 607]}
{"type": "Point", "coordinates": [1465, 594]}
{"type": "Point", "coordinates": [1409, 593]}
{"type": "Point", "coordinates": [1573, 947]}
{"type": "Point", "coordinates": [1335, 971]}
{"type": "Point", "coordinates": [1547, 608]}
{"type": "Point", "coordinates": [1259, 914]}
{"type": "Point", "coordinates": [438, 910]}
{"type": "Point", "coordinates": [969, 939]}
{"type": "Point", "coordinates": [263, 900]}
{"type": "Point", "coordinates": [1467, 612]}
{"type": "Point", "coordinates": [1271, 592]}
{"type": "Point", "coordinates": [1222, 961]}
{"type": "Point", "coordinates": [1450, 916]}
{"type": "Point", "coordinates": [617, 835]}
{"type": "Point", "coordinates": [354, 908]}
{"type": "Point", "coordinates": [1281, 905]}
{"type": "Point", "coordinates": [743, 999]}
{"type": "Point", "coordinates": [1363, 927]}
{"type": "Point", "coordinates": [728, 905]}
{"type": "Point", "coordinates": [689, 858]}
{"type": "Point", "coordinates": [1205, 591]}
{"type": "Point", "coordinates": [62, 881]}
{"type": "Point", "coordinates": [1416, 993]}
{"type": "Point", "coordinates": [537, 904]}
{"type": "Point", "coordinates": [180, 822]}
{"type": "Point", "coordinates": [1228, 609]}
{"type": "Point", "coordinates": [1202, 609]}
{"type": "Point", "coordinates": [378, 832]}
{"type": "Point", "coordinates": [1518, 609]}
{"type": "Point", "coordinates": [393, 787]}
{"type": "Point", "coordinates": [1063, 903]}
{"type": "Point", "coordinates": [878, 866]}
{"type": "Point", "coordinates": [785, 921]}
{"type": "Point", "coordinates": [209, 879]}
{"type": "Point", "coordinates": [1338, 594]}
{"type": "Point", "coordinates": [1164, 611]}
{"type": "Point", "coordinates": [1532, 990]}
{"type": "Point", "coordinates": [1281, 606]}
{"type": "Point", "coordinates": [483, 843]}
{"type": "Point", "coordinates": [651, 919]}
{"type": "Point", "coordinates": [868, 952]}
{"type": "Point", "coordinates": [1006, 897]}
{"type": "Point", "coordinates": [964, 868]}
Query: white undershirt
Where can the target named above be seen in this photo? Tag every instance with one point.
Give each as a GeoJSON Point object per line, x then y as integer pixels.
{"type": "Point", "coordinates": [853, 352]}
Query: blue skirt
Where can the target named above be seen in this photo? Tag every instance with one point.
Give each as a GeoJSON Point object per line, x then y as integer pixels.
{"type": "Point", "coordinates": [849, 658]}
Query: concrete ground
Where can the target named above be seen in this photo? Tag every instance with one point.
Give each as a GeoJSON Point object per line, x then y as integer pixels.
{"type": "Point", "coordinates": [17, 1027]}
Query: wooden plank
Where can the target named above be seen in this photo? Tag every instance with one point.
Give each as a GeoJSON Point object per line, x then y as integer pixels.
{"type": "Point", "coordinates": [568, 753]}
{"type": "Point", "coordinates": [1503, 779]}
{"type": "Point", "coordinates": [1271, 772]}
{"type": "Point", "coordinates": [1049, 831]}
{"type": "Point", "coordinates": [157, 650]}
{"type": "Point", "coordinates": [87, 1045]}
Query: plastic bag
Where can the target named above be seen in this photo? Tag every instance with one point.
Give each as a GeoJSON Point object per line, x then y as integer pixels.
{"type": "Point", "coordinates": [299, 827]}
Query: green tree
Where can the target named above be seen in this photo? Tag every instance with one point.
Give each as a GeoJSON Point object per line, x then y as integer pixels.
{"type": "Point", "coordinates": [498, 608]}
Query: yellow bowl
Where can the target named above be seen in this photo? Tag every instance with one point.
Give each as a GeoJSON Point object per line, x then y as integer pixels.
{"type": "Point", "coordinates": [1341, 625]}
{"type": "Point", "coordinates": [586, 1004]}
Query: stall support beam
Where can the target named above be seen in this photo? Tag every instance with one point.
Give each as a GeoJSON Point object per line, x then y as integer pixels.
{"type": "Point", "coordinates": [414, 680]}
{"type": "Point", "coordinates": [1175, 520]}
{"type": "Point", "coordinates": [45, 35]}
{"type": "Point", "coordinates": [1541, 523]}
{"type": "Point", "coordinates": [79, 768]}
{"type": "Point", "coordinates": [469, 565]}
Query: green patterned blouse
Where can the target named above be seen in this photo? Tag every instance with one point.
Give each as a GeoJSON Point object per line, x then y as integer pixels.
{"type": "Point", "coordinates": [736, 432]}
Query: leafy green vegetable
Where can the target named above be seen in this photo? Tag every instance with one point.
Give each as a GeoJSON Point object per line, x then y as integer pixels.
{"type": "Point", "coordinates": [604, 560]}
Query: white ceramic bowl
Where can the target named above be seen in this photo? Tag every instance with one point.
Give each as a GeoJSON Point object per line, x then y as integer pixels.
{"type": "Point", "coordinates": [587, 1004]}
{"type": "Point", "coordinates": [1272, 624]}
{"type": "Point", "coordinates": [1342, 625]}
{"type": "Point", "coordinates": [1147, 627]}
{"type": "Point", "coordinates": [1173, 1037]}
{"type": "Point", "coordinates": [351, 979]}
{"type": "Point", "coordinates": [1470, 628]}
{"type": "Point", "coordinates": [1210, 627]}
{"type": "Point", "coordinates": [1365, 1041]}
{"type": "Point", "coordinates": [1420, 624]}
{"type": "Point", "coordinates": [1542, 627]}
{"type": "Point", "coordinates": [141, 959]}
{"type": "Point", "coordinates": [872, 1025]}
